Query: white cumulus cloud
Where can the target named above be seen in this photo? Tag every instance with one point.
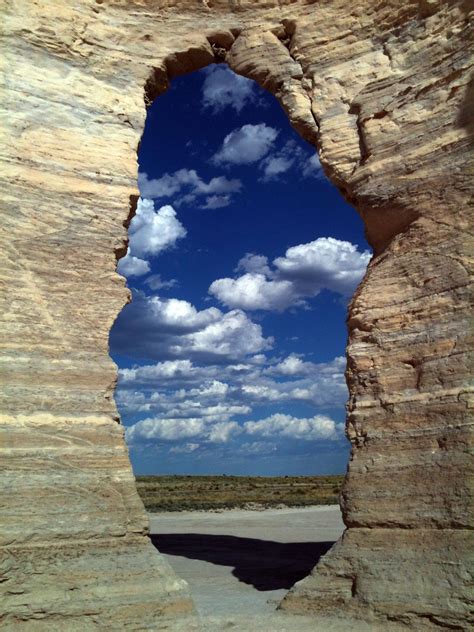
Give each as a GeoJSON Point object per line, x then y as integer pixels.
{"type": "Point", "coordinates": [292, 365]}
{"type": "Point", "coordinates": [185, 402]}
{"type": "Point", "coordinates": [152, 231]}
{"type": "Point", "coordinates": [253, 263]}
{"type": "Point", "coordinates": [170, 369]}
{"type": "Point", "coordinates": [170, 382]}
{"type": "Point", "coordinates": [165, 429]}
{"type": "Point", "coordinates": [324, 263]}
{"type": "Point", "coordinates": [173, 314]}
{"type": "Point", "coordinates": [166, 329]}
{"type": "Point", "coordinates": [233, 335]}
{"type": "Point", "coordinates": [156, 429]}
{"type": "Point", "coordinates": [223, 431]}
{"type": "Point", "coordinates": [133, 266]}
{"type": "Point", "coordinates": [253, 291]}
{"type": "Point", "coordinates": [278, 425]}
{"type": "Point", "coordinates": [246, 145]}
{"type": "Point", "coordinates": [304, 271]}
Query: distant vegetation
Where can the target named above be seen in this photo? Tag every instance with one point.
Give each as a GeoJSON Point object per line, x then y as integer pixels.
{"type": "Point", "coordinates": [188, 493]}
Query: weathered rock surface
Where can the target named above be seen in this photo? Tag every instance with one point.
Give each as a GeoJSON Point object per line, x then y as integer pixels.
{"type": "Point", "coordinates": [382, 89]}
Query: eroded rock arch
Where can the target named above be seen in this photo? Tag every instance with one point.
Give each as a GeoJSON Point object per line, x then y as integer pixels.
{"type": "Point", "coordinates": [382, 89]}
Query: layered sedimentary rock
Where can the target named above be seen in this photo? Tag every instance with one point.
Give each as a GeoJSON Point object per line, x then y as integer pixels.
{"type": "Point", "coordinates": [382, 90]}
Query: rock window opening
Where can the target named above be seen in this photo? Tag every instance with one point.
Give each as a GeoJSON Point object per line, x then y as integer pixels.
{"type": "Point", "coordinates": [242, 258]}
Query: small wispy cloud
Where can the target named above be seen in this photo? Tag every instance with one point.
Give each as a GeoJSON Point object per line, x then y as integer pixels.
{"type": "Point", "coordinates": [186, 187]}
{"type": "Point", "coordinates": [223, 89]}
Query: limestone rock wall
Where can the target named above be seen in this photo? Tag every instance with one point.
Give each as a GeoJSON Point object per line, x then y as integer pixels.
{"type": "Point", "coordinates": [382, 89]}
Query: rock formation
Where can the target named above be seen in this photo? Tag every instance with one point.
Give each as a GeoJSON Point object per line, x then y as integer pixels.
{"type": "Point", "coordinates": [382, 89]}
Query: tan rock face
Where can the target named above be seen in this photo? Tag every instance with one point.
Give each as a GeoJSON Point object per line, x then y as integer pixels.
{"type": "Point", "coordinates": [382, 89]}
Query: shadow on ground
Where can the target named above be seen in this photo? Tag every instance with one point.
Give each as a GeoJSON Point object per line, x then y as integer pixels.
{"type": "Point", "coordinates": [264, 564]}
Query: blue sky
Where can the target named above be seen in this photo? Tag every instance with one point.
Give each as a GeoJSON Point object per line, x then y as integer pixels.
{"type": "Point", "coordinates": [242, 260]}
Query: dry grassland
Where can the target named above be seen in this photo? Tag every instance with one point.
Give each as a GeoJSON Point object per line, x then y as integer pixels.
{"type": "Point", "coordinates": [188, 493]}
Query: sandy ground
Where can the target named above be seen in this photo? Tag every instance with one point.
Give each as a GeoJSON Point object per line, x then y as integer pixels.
{"type": "Point", "coordinates": [244, 561]}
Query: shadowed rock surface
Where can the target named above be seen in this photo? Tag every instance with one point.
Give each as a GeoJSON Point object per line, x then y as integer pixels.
{"type": "Point", "coordinates": [382, 89]}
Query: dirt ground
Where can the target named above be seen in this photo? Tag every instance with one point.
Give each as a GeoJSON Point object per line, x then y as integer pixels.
{"type": "Point", "coordinates": [244, 561]}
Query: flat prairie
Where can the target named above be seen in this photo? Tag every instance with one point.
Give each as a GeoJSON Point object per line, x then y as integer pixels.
{"type": "Point", "coordinates": [207, 493]}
